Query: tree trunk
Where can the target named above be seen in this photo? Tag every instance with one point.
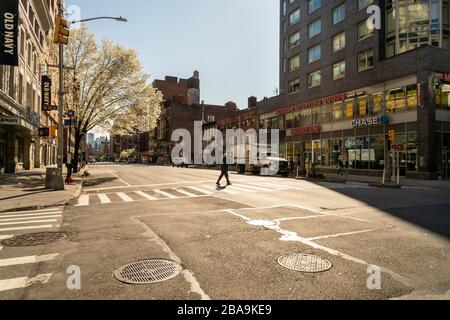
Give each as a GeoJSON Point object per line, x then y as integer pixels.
{"type": "Point", "coordinates": [78, 138]}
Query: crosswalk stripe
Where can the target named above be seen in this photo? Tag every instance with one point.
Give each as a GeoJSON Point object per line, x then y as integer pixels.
{"type": "Point", "coordinates": [279, 186]}
{"type": "Point", "coordinates": [48, 226]}
{"type": "Point", "coordinates": [18, 283]}
{"type": "Point", "coordinates": [222, 190]}
{"type": "Point", "coordinates": [27, 222]}
{"type": "Point", "coordinates": [32, 211]}
{"type": "Point", "coordinates": [7, 236]}
{"type": "Point", "coordinates": [168, 195]}
{"type": "Point", "coordinates": [83, 200]}
{"type": "Point", "coordinates": [235, 187]}
{"type": "Point", "coordinates": [27, 260]}
{"type": "Point", "coordinates": [185, 193]}
{"type": "Point", "coordinates": [201, 190]}
{"type": "Point", "coordinates": [145, 195]}
{"type": "Point", "coordinates": [104, 198]}
{"type": "Point", "coordinates": [253, 187]}
{"type": "Point", "coordinates": [30, 215]}
{"type": "Point", "coordinates": [23, 219]}
{"type": "Point", "coordinates": [124, 197]}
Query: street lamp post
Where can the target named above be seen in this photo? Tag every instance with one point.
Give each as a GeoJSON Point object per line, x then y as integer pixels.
{"type": "Point", "coordinates": [59, 183]}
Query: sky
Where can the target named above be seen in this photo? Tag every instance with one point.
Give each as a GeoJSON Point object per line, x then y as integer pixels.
{"type": "Point", "coordinates": [232, 43]}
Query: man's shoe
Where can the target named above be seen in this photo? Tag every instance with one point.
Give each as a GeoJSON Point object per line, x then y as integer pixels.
{"type": "Point", "coordinates": [229, 184]}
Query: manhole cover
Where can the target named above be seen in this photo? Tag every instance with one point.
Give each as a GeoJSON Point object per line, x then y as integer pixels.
{"type": "Point", "coordinates": [305, 263]}
{"type": "Point", "coordinates": [262, 223]}
{"type": "Point", "coordinates": [148, 271]}
{"type": "Point", "coordinates": [34, 239]}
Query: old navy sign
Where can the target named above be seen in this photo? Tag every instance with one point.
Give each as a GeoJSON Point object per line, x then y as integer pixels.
{"type": "Point", "coordinates": [373, 121]}
{"type": "Point", "coordinates": [46, 93]}
{"type": "Point", "coordinates": [9, 35]}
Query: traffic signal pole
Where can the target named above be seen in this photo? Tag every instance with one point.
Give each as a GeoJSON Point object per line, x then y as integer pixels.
{"type": "Point", "coordinates": [59, 183]}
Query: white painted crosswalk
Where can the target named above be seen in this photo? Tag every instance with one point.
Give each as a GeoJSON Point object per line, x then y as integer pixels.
{"type": "Point", "coordinates": [25, 221]}
{"type": "Point", "coordinates": [15, 223]}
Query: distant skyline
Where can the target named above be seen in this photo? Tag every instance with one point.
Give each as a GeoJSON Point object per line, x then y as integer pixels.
{"type": "Point", "coordinates": [233, 44]}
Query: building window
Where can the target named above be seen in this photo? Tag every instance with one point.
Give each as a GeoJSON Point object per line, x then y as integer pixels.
{"type": "Point", "coordinates": [365, 60]}
{"type": "Point", "coordinates": [339, 14]}
{"type": "Point", "coordinates": [339, 42]}
{"type": "Point", "coordinates": [294, 63]}
{"type": "Point", "coordinates": [364, 3]}
{"type": "Point", "coordinates": [294, 86]}
{"type": "Point", "coordinates": [294, 17]}
{"type": "Point", "coordinates": [396, 100]}
{"type": "Point", "coordinates": [376, 104]}
{"type": "Point", "coordinates": [313, 5]}
{"type": "Point", "coordinates": [314, 28]}
{"type": "Point", "coordinates": [314, 53]}
{"type": "Point", "coordinates": [284, 8]}
{"type": "Point", "coordinates": [363, 31]}
{"type": "Point", "coordinates": [294, 40]}
{"type": "Point", "coordinates": [314, 79]}
{"type": "Point", "coordinates": [350, 109]}
{"type": "Point", "coordinates": [339, 70]}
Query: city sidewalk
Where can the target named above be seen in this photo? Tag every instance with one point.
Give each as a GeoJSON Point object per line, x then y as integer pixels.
{"type": "Point", "coordinates": [407, 183]}
{"type": "Point", "coordinates": [26, 191]}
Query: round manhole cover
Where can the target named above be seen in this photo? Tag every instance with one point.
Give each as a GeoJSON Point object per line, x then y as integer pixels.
{"type": "Point", "coordinates": [148, 271]}
{"type": "Point", "coordinates": [305, 263]}
{"type": "Point", "coordinates": [34, 239]}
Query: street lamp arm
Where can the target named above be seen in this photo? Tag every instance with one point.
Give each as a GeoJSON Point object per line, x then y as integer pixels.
{"type": "Point", "coordinates": [120, 19]}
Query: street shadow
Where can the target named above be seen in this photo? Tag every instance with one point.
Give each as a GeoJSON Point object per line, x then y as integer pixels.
{"type": "Point", "coordinates": [427, 209]}
{"type": "Point", "coordinates": [94, 182]}
{"type": "Point", "coordinates": [26, 195]}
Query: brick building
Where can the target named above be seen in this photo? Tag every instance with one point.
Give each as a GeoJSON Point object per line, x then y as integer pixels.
{"type": "Point", "coordinates": [181, 109]}
{"type": "Point", "coordinates": [344, 86]}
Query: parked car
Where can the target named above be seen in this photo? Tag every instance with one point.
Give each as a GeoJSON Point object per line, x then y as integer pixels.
{"type": "Point", "coordinates": [283, 165]}
{"type": "Point", "coordinates": [132, 160]}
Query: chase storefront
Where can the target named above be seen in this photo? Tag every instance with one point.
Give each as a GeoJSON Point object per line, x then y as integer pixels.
{"type": "Point", "coordinates": [352, 127]}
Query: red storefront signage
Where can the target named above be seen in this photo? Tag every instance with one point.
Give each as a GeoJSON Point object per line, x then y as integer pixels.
{"type": "Point", "coordinates": [446, 77]}
{"type": "Point", "coordinates": [311, 129]}
{"type": "Point", "coordinates": [313, 103]}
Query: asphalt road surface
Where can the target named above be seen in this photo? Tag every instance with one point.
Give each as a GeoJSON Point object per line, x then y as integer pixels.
{"type": "Point", "coordinates": [228, 240]}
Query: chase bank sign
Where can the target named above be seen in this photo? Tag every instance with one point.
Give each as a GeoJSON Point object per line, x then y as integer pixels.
{"type": "Point", "coordinates": [373, 121]}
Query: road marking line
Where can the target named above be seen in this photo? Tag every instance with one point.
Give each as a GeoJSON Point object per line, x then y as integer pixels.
{"type": "Point", "coordinates": [32, 211]}
{"type": "Point", "coordinates": [18, 283]}
{"type": "Point", "coordinates": [237, 215]}
{"type": "Point", "coordinates": [168, 195]}
{"type": "Point", "coordinates": [23, 219]}
{"type": "Point", "coordinates": [254, 187]}
{"type": "Point", "coordinates": [147, 185]}
{"type": "Point", "coordinates": [188, 275]}
{"type": "Point", "coordinates": [201, 190]}
{"type": "Point", "coordinates": [27, 260]}
{"type": "Point", "coordinates": [123, 181]}
{"type": "Point", "coordinates": [8, 236]}
{"type": "Point", "coordinates": [48, 226]}
{"type": "Point", "coordinates": [145, 195]}
{"type": "Point", "coordinates": [299, 218]}
{"type": "Point", "coordinates": [224, 190]}
{"type": "Point", "coordinates": [186, 193]}
{"type": "Point", "coordinates": [124, 197]}
{"type": "Point", "coordinates": [31, 215]}
{"type": "Point", "coordinates": [341, 235]}
{"type": "Point", "coordinates": [83, 201]}
{"type": "Point", "coordinates": [241, 189]}
{"type": "Point", "coordinates": [104, 199]}
{"type": "Point", "coordinates": [279, 186]}
{"type": "Point", "coordinates": [27, 222]}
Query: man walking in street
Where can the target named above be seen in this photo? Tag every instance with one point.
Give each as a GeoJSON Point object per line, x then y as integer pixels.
{"type": "Point", "coordinates": [224, 171]}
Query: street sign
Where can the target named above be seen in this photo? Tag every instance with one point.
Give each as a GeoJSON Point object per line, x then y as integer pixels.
{"type": "Point", "coordinates": [398, 147]}
{"type": "Point", "coordinates": [69, 122]}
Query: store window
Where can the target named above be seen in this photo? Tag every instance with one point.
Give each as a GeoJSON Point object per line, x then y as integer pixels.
{"type": "Point", "coordinates": [337, 111]}
{"type": "Point", "coordinates": [350, 109]}
{"type": "Point", "coordinates": [396, 100]}
{"type": "Point", "coordinates": [376, 104]}
{"type": "Point", "coordinates": [412, 151]}
{"type": "Point", "coordinates": [327, 153]}
{"type": "Point", "coordinates": [411, 97]}
{"type": "Point", "coordinates": [363, 107]}
{"type": "Point", "coordinates": [326, 114]}
{"type": "Point", "coordinates": [317, 115]}
{"type": "Point", "coordinates": [290, 121]}
{"type": "Point", "coordinates": [317, 153]}
{"type": "Point", "coordinates": [337, 152]}
{"type": "Point", "coordinates": [296, 120]}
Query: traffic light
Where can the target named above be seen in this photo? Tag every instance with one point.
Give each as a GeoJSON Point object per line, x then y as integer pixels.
{"type": "Point", "coordinates": [62, 31]}
{"type": "Point", "coordinates": [392, 136]}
